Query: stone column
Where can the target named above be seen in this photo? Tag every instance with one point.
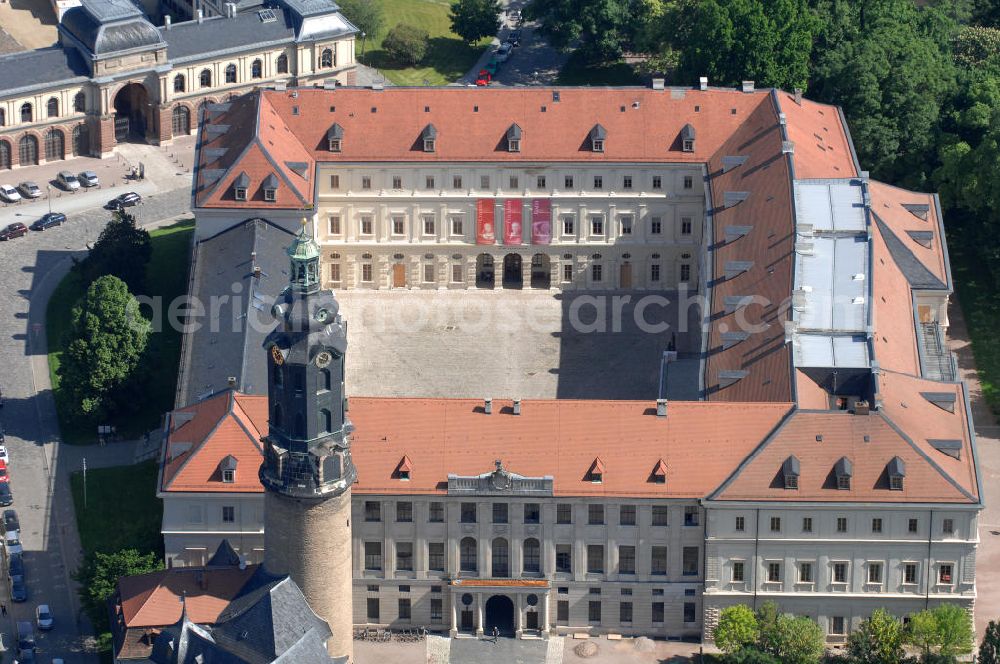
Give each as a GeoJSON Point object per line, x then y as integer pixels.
{"type": "Point", "coordinates": [164, 125]}
{"type": "Point", "coordinates": [526, 270]}
{"type": "Point", "coordinates": [497, 272]}
{"type": "Point", "coordinates": [543, 613]}
{"type": "Point", "coordinates": [518, 615]}
{"type": "Point", "coordinates": [479, 614]}
{"type": "Point", "coordinates": [453, 632]}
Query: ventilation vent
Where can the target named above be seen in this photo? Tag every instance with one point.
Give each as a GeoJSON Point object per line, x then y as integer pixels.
{"type": "Point", "coordinates": [952, 448]}
{"type": "Point", "coordinates": [729, 162]}
{"type": "Point", "coordinates": [736, 268]}
{"type": "Point", "coordinates": [734, 302]}
{"type": "Point", "coordinates": [787, 147]}
{"type": "Point", "coordinates": [731, 376]}
{"type": "Point", "coordinates": [731, 198]}
{"type": "Point", "coordinates": [923, 238]}
{"type": "Point", "coordinates": [919, 210]}
{"type": "Point", "coordinates": [734, 233]}
{"type": "Point", "coordinates": [943, 400]}
{"type": "Point", "coordinates": [730, 339]}
{"type": "Point", "coordinates": [267, 16]}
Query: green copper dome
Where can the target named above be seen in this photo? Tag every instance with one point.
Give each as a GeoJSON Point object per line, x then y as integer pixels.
{"type": "Point", "coordinates": [304, 255]}
{"type": "Point", "coordinates": [304, 247]}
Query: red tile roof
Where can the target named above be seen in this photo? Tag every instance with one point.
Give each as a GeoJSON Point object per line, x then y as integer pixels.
{"type": "Point", "coordinates": [888, 202]}
{"type": "Point", "coordinates": [153, 599]}
{"type": "Point", "coordinates": [822, 146]}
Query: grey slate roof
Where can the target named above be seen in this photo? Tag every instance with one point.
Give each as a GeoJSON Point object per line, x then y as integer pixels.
{"type": "Point", "coordinates": [109, 26]}
{"type": "Point", "coordinates": [40, 68]}
{"type": "Point", "coordinates": [228, 346]}
{"type": "Point", "coordinates": [311, 7]}
{"type": "Point", "coordinates": [911, 267]}
{"type": "Point", "coordinates": [220, 34]}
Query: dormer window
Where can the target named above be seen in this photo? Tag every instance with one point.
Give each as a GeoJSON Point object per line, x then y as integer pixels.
{"type": "Point", "coordinates": [404, 469]}
{"type": "Point", "coordinates": [896, 471]}
{"type": "Point", "coordinates": [596, 472]}
{"type": "Point", "coordinates": [429, 136]}
{"type": "Point", "coordinates": [843, 470]}
{"type": "Point", "coordinates": [240, 186]}
{"type": "Point", "coordinates": [598, 135]}
{"type": "Point", "coordinates": [271, 188]}
{"type": "Point", "coordinates": [687, 138]}
{"type": "Point", "coordinates": [790, 470]}
{"type": "Point", "coordinates": [334, 137]}
{"type": "Point", "coordinates": [227, 467]}
{"type": "Point", "coordinates": [659, 475]}
{"type": "Point", "coordinates": [514, 138]}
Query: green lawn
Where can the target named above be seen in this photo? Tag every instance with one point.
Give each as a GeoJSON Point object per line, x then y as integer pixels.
{"type": "Point", "coordinates": [578, 70]}
{"type": "Point", "coordinates": [166, 277]}
{"type": "Point", "coordinates": [448, 57]}
{"type": "Point", "coordinates": [122, 510]}
{"type": "Point", "coordinates": [981, 307]}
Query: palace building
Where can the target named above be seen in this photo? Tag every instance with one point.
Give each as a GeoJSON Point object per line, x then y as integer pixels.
{"type": "Point", "coordinates": [114, 76]}
{"type": "Point", "coordinates": [828, 464]}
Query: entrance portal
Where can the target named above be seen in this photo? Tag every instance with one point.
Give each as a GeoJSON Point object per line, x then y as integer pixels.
{"type": "Point", "coordinates": [499, 614]}
{"type": "Point", "coordinates": [398, 275]}
{"type": "Point", "coordinates": [540, 271]}
{"type": "Point", "coordinates": [512, 277]}
{"type": "Point", "coordinates": [626, 275]}
{"type": "Point", "coordinates": [131, 110]}
{"type": "Point", "coordinates": [484, 271]}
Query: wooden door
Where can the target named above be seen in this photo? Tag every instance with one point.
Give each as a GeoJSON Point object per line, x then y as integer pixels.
{"type": "Point", "coordinates": [924, 313]}
{"type": "Point", "coordinates": [626, 275]}
{"type": "Point", "coordinates": [398, 275]}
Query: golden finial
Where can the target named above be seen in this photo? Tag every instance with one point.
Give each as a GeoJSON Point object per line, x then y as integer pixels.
{"type": "Point", "coordinates": [305, 222]}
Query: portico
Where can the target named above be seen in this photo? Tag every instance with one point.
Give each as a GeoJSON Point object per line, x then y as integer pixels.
{"type": "Point", "coordinates": [516, 607]}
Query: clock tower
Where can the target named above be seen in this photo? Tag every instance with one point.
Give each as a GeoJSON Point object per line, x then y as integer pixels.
{"type": "Point", "coordinates": [307, 471]}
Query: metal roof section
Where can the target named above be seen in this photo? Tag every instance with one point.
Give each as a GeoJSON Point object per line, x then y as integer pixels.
{"type": "Point", "coordinates": [328, 25]}
{"type": "Point", "coordinates": [832, 280]}
{"type": "Point", "coordinates": [828, 351]}
{"type": "Point", "coordinates": [835, 206]}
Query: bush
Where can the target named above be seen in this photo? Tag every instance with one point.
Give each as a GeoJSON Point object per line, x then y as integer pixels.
{"type": "Point", "coordinates": [750, 656]}
{"type": "Point", "coordinates": [406, 44]}
{"type": "Point", "coordinates": [98, 577]}
{"type": "Point", "coordinates": [738, 628]}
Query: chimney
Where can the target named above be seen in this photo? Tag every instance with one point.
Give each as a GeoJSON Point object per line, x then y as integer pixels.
{"type": "Point", "coordinates": [201, 15]}
{"type": "Point", "coordinates": [256, 271]}
{"type": "Point", "coordinates": [232, 381]}
{"type": "Point", "coordinates": [243, 561]}
{"type": "Point", "coordinates": [703, 83]}
{"type": "Point", "coordinates": [166, 22]}
{"type": "Point", "coordinates": [517, 406]}
{"type": "Point", "coordinates": [661, 407]}
{"type": "Point", "coordinates": [861, 408]}
{"type": "Point", "coordinates": [798, 96]}
{"type": "Point", "coordinates": [748, 86]}
{"type": "Point", "coordinates": [488, 406]}
{"type": "Point", "coordinates": [659, 83]}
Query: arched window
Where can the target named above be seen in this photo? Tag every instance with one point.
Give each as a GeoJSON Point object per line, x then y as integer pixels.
{"type": "Point", "coordinates": [325, 421]}
{"type": "Point", "coordinates": [300, 426]}
{"type": "Point", "coordinates": [276, 417]}
{"type": "Point", "coordinates": [282, 64]}
{"type": "Point", "coordinates": [256, 69]}
{"type": "Point", "coordinates": [205, 78]}
{"type": "Point", "coordinates": [80, 102]}
{"type": "Point", "coordinates": [230, 73]}
{"type": "Point", "coordinates": [326, 58]}
{"type": "Point", "coordinates": [4, 155]}
{"type": "Point", "coordinates": [179, 83]}
{"type": "Point", "coordinates": [501, 557]}
{"type": "Point", "coordinates": [55, 145]}
{"type": "Point", "coordinates": [532, 557]}
{"type": "Point", "coordinates": [181, 121]}
{"type": "Point", "coordinates": [3, 117]}
{"type": "Point", "coordinates": [468, 555]}
{"type": "Point", "coordinates": [81, 140]}
{"type": "Point", "coordinates": [325, 380]}
{"type": "Point", "coordinates": [52, 108]}
{"type": "Point", "coordinates": [26, 112]}
{"type": "Point", "coordinates": [27, 150]}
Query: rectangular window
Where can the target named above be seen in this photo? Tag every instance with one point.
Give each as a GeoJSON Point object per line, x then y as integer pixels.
{"type": "Point", "coordinates": [657, 612]}
{"type": "Point", "coordinates": [874, 572]}
{"type": "Point", "coordinates": [435, 556]}
{"type": "Point", "coordinates": [468, 513]}
{"type": "Point", "coordinates": [568, 226]}
{"type": "Point", "coordinates": [367, 225]}
{"type": "Point", "coordinates": [626, 224]}
{"type": "Point", "coordinates": [373, 612]}
{"type": "Point", "coordinates": [805, 572]}
{"type": "Point", "coordinates": [567, 272]}
{"type": "Point", "coordinates": [598, 182]}
{"type": "Point", "coordinates": [397, 182]}
{"type": "Point", "coordinates": [595, 559]}
{"type": "Point", "coordinates": [334, 182]}
{"type": "Point", "coordinates": [484, 181]}
{"type": "Point", "coordinates": [688, 182]}
{"type": "Point", "coordinates": [685, 273]}
{"type": "Point", "coordinates": [437, 611]}
{"type": "Point", "coordinates": [366, 272]}
{"type": "Point", "coordinates": [597, 225]}
{"type": "Point", "coordinates": [429, 276]}
{"type": "Point", "coordinates": [661, 514]}
{"type": "Point", "coordinates": [738, 571]}
{"type": "Point", "coordinates": [428, 225]}
{"type": "Point", "coordinates": [594, 611]}
{"type": "Point", "coordinates": [626, 515]}
{"type": "Point", "coordinates": [837, 626]}
{"type": "Point", "coordinates": [228, 514]}
{"type": "Point", "coordinates": [366, 182]}
{"type": "Point", "coordinates": [625, 612]}
{"type": "Point", "coordinates": [335, 272]}
{"type": "Point", "coordinates": [627, 182]}
{"type": "Point", "coordinates": [540, 182]}
{"type": "Point", "coordinates": [532, 512]}
{"type": "Point", "coordinates": [658, 560]}
{"type": "Point", "coordinates": [910, 573]}
{"type": "Point", "coordinates": [404, 608]}
{"type": "Point", "coordinates": [457, 227]}
{"type": "Point", "coordinates": [456, 273]}
{"type": "Point", "coordinates": [689, 612]}
{"type": "Point", "coordinates": [876, 525]}
{"type": "Point", "coordinates": [562, 611]}
{"type": "Point", "coordinates": [597, 272]}
{"type": "Point", "coordinates": [690, 561]}
{"type": "Point", "coordinates": [404, 556]}
{"type": "Point", "coordinates": [373, 510]}
{"type": "Point", "coordinates": [429, 182]}
{"type": "Point", "coordinates": [944, 574]}
{"type": "Point", "coordinates": [840, 572]}
{"type": "Point", "coordinates": [564, 558]}
{"type": "Point", "coordinates": [568, 182]}
{"type": "Point", "coordinates": [436, 513]}
{"type": "Point", "coordinates": [807, 524]}
{"type": "Point", "coordinates": [691, 516]}
{"type": "Point", "coordinates": [626, 559]}
{"type": "Point", "coordinates": [741, 524]}
{"type": "Point", "coordinates": [948, 527]}
{"type": "Point", "coordinates": [500, 512]}
{"type": "Point", "coordinates": [841, 524]}
{"type": "Point", "coordinates": [514, 182]}
{"type": "Point", "coordinates": [456, 182]}
{"type": "Point", "coordinates": [657, 182]}
{"type": "Point", "coordinates": [656, 226]}
{"type": "Point", "coordinates": [774, 572]}
{"type": "Point", "coordinates": [911, 526]}
{"type": "Point", "coordinates": [654, 272]}
{"type": "Point", "coordinates": [775, 524]}
{"type": "Point", "coordinates": [373, 556]}
{"type": "Point", "coordinates": [595, 514]}
{"type": "Point", "coordinates": [685, 225]}
{"type": "Point", "coordinates": [334, 225]}
{"type": "Point", "coordinates": [404, 511]}
{"type": "Point", "coordinates": [398, 225]}
{"type": "Point", "coordinates": [564, 513]}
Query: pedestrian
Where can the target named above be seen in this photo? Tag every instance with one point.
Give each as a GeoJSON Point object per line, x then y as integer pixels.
{"type": "Point", "coordinates": [496, 634]}
{"type": "Point", "coordinates": [3, 610]}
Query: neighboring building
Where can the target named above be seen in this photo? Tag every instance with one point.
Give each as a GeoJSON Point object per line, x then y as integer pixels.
{"type": "Point", "coordinates": [830, 465]}
{"type": "Point", "coordinates": [116, 77]}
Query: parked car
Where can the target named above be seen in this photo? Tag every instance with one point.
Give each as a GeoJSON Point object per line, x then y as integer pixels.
{"type": "Point", "coordinates": [15, 565]}
{"type": "Point", "coordinates": [48, 220]}
{"type": "Point", "coordinates": [43, 617]}
{"type": "Point", "coordinates": [67, 181]}
{"type": "Point", "coordinates": [4, 475]}
{"type": "Point", "coordinates": [514, 38]}
{"type": "Point", "coordinates": [6, 496]}
{"type": "Point", "coordinates": [18, 588]}
{"type": "Point", "coordinates": [10, 521]}
{"type": "Point", "coordinates": [124, 201]}
{"type": "Point", "coordinates": [503, 52]}
{"type": "Point", "coordinates": [25, 640]}
{"type": "Point", "coordinates": [12, 532]}
{"type": "Point", "coordinates": [9, 194]}
{"type": "Point", "coordinates": [29, 190]}
{"type": "Point", "coordinates": [17, 229]}
{"type": "Point", "coordinates": [484, 78]}
{"type": "Point", "coordinates": [88, 179]}
{"type": "Point", "coordinates": [4, 455]}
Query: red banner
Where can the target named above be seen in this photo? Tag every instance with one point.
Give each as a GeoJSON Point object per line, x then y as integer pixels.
{"type": "Point", "coordinates": [485, 226]}
{"type": "Point", "coordinates": [512, 233]}
{"type": "Point", "coordinates": [541, 221]}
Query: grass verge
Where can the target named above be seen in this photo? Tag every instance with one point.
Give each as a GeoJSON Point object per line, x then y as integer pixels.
{"type": "Point", "coordinates": [981, 307]}
{"type": "Point", "coordinates": [166, 278]}
{"type": "Point", "coordinates": [448, 57]}
{"type": "Point", "coordinates": [579, 70]}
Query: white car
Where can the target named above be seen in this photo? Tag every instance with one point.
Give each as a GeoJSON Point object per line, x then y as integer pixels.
{"type": "Point", "coordinates": [9, 194]}
{"type": "Point", "coordinates": [88, 179]}
{"type": "Point", "coordinates": [504, 52]}
{"type": "Point", "coordinates": [29, 190]}
{"type": "Point", "coordinates": [67, 181]}
{"type": "Point", "coordinates": [3, 454]}
{"type": "Point", "coordinates": [43, 617]}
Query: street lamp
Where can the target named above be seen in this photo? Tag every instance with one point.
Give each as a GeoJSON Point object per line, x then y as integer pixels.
{"type": "Point", "coordinates": [363, 36]}
{"type": "Point", "coordinates": [48, 188]}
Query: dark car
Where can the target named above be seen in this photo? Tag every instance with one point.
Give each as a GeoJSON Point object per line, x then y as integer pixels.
{"type": "Point", "coordinates": [514, 37]}
{"type": "Point", "coordinates": [15, 566]}
{"type": "Point", "coordinates": [25, 642]}
{"type": "Point", "coordinates": [49, 220]}
{"type": "Point", "coordinates": [18, 588]}
{"type": "Point", "coordinates": [17, 229]}
{"type": "Point", "coordinates": [6, 497]}
{"type": "Point", "coordinates": [10, 522]}
{"type": "Point", "coordinates": [124, 201]}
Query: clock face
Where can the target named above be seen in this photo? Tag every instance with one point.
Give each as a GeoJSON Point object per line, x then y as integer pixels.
{"type": "Point", "coordinates": [322, 315]}
{"type": "Point", "coordinates": [276, 355]}
{"type": "Point", "coordinates": [323, 359]}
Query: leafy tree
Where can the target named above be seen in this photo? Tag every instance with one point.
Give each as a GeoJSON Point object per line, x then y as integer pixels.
{"type": "Point", "coordinates": [123, 250]}
{"type": "Point", "coordinates": [955, 633]}
{"type": "Point", "coordinates": [366, 14]}
{"type": "Point", "coordinates": [879, 640]}
{"type": "Point", "coordinates": [767, 621]}
{"type": "Point", "coordinates": [750, 656]}
{"type": "Point", "coordinates": [406, 44]}
{"type": "Point", "coordinates": [98, 577]}
{"type": "Point", "coordinates": [738, 628]}
{"type": "Point", "coordinates": [604, 28]}
{"type": "Point", "coordinates": [799, 640]}
{"type": "Point", "coordinates": [922, 632]}
{"type": "Point", "coordinates": [107, 338]}
{"type": "Point", "coordinates": [474, 19]}
{"type": "Point", "coordinates": [989, 649]}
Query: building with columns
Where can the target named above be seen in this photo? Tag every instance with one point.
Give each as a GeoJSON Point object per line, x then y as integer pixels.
{"type": "Point", "coordinates": [114, 76]}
